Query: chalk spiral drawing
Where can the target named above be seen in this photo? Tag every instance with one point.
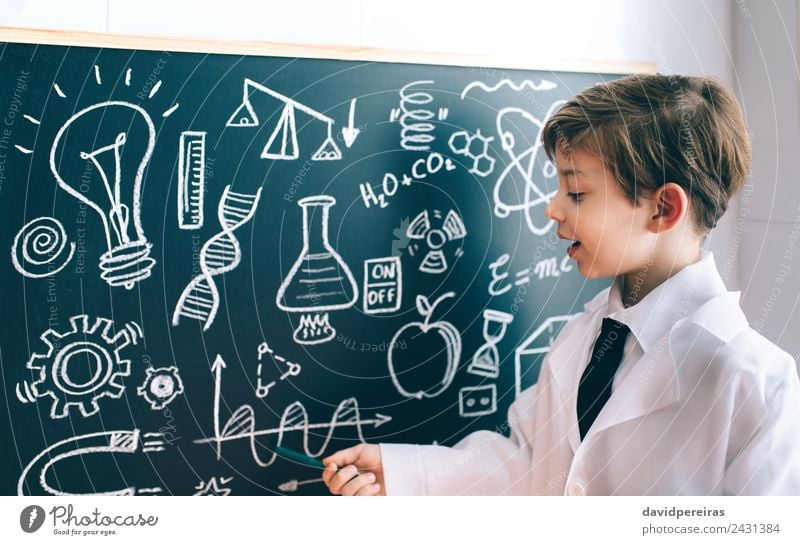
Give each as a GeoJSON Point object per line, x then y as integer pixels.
{"type": "Point", "coordinates": [40, 248]}
{"type": "Point", "coordinates": [415, 117]}
{"type": "Point", "coordinates": [117, 200]}
{"type": "Point", "coordinates": [524, 163]}
{"type": "Point", "coordinates": [34, 477]}
{"type": "Point", "coordinates": [220, 254]}
{"type": "Point", "coordinates": [282, 142]}
{"type": "Point", "coordinates": [242, 424]}
{"type": "Point", "coordinates": [57, 371]}
{"type": "Point", "coordinates": [544, 85]}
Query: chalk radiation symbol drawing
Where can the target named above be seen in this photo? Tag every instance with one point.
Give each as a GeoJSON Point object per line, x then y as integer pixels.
{"type": "Point", "coordinates": [220, 254]}
{"type": "Point", "coordinates": [282, 142]}
{"type": "Point", "coordinates": [319, 281]}
{"type": "Point", "coordinates": [420, 228]}
{"type": "Point", "coordinates": [242, 424]}
{"type": "Point", "coordinates": [34, 480]}
{"type": "Point", "coordinates": [60, 374]}
{"type": "Point", "coordinates": [433, 349]}
{"type": "Point", "coordinates": [40, 248]}
{"type": "Point", "coordinates": [528, 162]}
{"type": "Point", "coordinates": [117, 197]}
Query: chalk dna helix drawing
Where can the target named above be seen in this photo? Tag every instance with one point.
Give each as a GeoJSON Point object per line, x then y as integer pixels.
{"type": "Point", "coordinates": [58, 372]}
{"type": "Point", "coordinates": [219, 254]}
{"type": "Point", "coordinates": [40, 248]}
{"type": "Point", "coordinates": [117, 200]}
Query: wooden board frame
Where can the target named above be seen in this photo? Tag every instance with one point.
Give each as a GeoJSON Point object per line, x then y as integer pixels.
{"type": "Point", "coordinates": [337, 52]}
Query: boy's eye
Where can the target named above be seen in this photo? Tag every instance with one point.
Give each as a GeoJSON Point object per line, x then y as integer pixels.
{"type": "Point", "coordinates": [575, 197]}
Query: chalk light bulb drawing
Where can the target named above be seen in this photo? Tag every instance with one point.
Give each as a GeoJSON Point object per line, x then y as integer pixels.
{"type": "Point", "coordinates": [117, 199]}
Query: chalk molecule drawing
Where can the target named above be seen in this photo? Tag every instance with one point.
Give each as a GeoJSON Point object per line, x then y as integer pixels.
{"type": "Point", "coordinates": [527, 161]}
{"type": "Point", "coordinates": [474, 147]}
{"type": "Point", "coordinates": [220, 254]}
{"type": "Point", "coordinates": [294, 369]}
{"type": "Point", "coordinates": [117, 200]}
{"type": "Point", "coordinates": [452, 228]}
{"type": "Point", "coordinates": [449, 353]}
{"type": "Point", "coordinates": [161, 386]}
{"type": "Point", "coordinates": [40, 248]}
{"type": "Point", "coordinates": [282, 143]}
{"type": "Point", "coordinates": [59, 372]}
{"type": "Point", "coordinates": [34, 478]}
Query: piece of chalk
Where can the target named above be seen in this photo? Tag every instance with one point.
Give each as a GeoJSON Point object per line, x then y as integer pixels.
{"type": "Point", "coordinates": [299, 458]}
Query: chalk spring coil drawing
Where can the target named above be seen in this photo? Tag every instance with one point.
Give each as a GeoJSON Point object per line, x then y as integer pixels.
{"type": "Point", "coordinates": [118, 200]}
{"type": "Point", "coordinates": [220, 254]}
{"type": "Point", "coordinates": [415, 117]}
{"type": "Point", "coordinates": [40, 248]}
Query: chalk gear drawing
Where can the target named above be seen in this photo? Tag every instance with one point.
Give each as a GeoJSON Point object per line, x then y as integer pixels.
{"type": "Point", "coordinates": [60, 372]}
{"type": "Point", "coordinates": [161, 386]}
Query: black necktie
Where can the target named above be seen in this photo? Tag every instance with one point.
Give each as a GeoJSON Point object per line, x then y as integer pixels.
{"type": "Point", "coordinates": [595, 385]}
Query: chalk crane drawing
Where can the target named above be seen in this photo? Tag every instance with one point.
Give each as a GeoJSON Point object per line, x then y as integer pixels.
{"type": "Point", "coordinates": [415, 117]}
{"type": "Point", "coordinates": [528, 161]}
{"type": "Point", "coordinates": [544, 85]}
{"type": "Point", "coordinates": [422, 378]}
{"type": "Point", "coordinates": [420, 228]}
{"type": "Point", "coordinates": [40, 248]}
{"type": "Point", "coordinates": [117, 200]}
{"type": "Point", "coordinates": [220, 254]}
{"type": "Point", "coordinates": [320, 281]}
{"type": "Point", "coordinates": [242, 424]}
{"type": "Point", "coordinates": [293, 370]}
{"type": "Point", "coordinates": [59, 373]}
{"type": "Point", "coordinates": [531, 351]}
{"type": "Point", "coordinates": [191, 179]}
{"type": "Point", "coordinates": [34, 479]}
{"type": "Point", "coordinates": [161, 386]}
{"type": "Point", "coordinates": [282, 142]}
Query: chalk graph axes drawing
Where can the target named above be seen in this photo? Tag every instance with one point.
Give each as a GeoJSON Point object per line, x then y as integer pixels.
{"type": "Point", "coordinates": [282, 142]}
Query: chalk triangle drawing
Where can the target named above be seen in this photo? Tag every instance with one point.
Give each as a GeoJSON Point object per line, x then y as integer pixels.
{"type": "Point", "coordinates": [282, 143]}
{"type": "Point", "coordinates": [244, 116]}
{"type": "Point", "coordinates": [328, 151]}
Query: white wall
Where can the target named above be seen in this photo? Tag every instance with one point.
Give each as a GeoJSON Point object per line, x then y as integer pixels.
{"type": "Point", "coordinates": [749, 46]}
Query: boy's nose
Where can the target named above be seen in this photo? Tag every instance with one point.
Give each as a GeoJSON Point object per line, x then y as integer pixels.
{"type": "Point", "coordinates": [552, 212]}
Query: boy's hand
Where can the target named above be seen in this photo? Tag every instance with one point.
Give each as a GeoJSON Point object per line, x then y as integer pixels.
{"type": "Point", "coordinates": [361, 473]}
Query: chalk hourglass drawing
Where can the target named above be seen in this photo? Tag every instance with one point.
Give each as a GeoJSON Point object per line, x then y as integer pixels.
{"type": "Point", "coordinates": [319, 281]}
{"type": "Point", "coordinates": [117, 198]}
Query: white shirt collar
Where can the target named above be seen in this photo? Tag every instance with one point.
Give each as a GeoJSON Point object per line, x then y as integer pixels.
{"type": "Point", "coordinates": [678, 297]}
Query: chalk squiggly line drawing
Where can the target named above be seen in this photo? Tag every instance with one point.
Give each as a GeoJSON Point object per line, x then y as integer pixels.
{"type": "Point", "coordinates": [40, 248]}
{"type": "Point", "coordinates": [544, 85]}
{"type": "Point", "coordinates": [220, 254]}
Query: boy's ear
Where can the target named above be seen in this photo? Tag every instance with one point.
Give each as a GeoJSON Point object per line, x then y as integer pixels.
{"type": "Point", "coordinates": [671, 204]}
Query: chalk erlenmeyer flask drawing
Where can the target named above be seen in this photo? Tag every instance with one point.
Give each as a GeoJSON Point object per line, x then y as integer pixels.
{"type": "Point", "coordinates": [94, 139]}
{"type": "Point", "coordinates": [319, 281]}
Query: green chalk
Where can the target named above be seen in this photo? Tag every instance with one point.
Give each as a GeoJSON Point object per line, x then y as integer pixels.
{"type": "Point", "coordinates": [299, 458]}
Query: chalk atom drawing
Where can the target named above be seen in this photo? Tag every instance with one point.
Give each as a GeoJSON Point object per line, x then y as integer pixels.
{"type": "Point", "coordinates": [40, 248]}
{"type": "Point", "coordinates": [59, 372]}
{"type": "Point", "coordinates": [220, 254]}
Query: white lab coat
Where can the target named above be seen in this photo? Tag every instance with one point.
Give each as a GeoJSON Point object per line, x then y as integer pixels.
{"type": "Point", "coordinates": [702, 404]}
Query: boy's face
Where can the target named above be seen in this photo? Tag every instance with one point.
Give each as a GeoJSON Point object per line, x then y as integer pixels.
{"type": "Point", "coordinates": [591, 208]}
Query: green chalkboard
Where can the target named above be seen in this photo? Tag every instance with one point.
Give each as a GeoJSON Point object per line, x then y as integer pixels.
{"type": "Point", "coordinates": [209, 255]}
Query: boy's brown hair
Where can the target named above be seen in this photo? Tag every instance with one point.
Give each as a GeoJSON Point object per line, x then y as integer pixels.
{"type": "Point", "coordinates": [654, 129]}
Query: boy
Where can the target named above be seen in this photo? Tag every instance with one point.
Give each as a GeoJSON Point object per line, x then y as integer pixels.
{"type": "Point", "coordinates": [659, 386]}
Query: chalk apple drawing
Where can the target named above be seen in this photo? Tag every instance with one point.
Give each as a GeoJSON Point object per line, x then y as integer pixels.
{"type": "Point", "coordinates": [436, 332]}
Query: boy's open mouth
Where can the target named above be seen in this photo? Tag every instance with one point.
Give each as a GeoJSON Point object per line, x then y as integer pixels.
{"type": "Point", "coordinates": [573, 247]}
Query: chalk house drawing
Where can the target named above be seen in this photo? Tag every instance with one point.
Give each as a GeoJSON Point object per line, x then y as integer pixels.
{"type": "Point", "coordinates": [40, 248]}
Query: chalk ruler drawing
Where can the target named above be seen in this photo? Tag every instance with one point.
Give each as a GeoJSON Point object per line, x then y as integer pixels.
{"type": "Point", "coordinates": [34, 477]}
{"type": "Point", "coordinates": [486, 360]}
{"type": "Point", "coordinates": [415, 117]}
{"type": "Point", "coordinates": [191, 179]}
{"type": "Point", "coordinates": [161, 386]}
{"type": "Point", "coordinates": [118, 199]}
{"type": "Point", "coordinates": [449, 338]}
{"type": "Point", "coordinates": [216, 486]}
{"type": "Point", "coordinates": [293, 369]}
{"type": "Point", "coordinates": [220, 254]}
{"type": "Point", "coordinates": [383, 285]}
{"type": "Point", "coordinates": [530, 351]}
{"type": "Point", "coordinates": [282, 143]}
{"type": "Point", "coordinates": [40, 248]}
{"type": "Point", "coordinates": [319, 280]}
{"type": "Point", "coordinates": [476, 148]}
{"type": "Point", "coordinates": [452, 228]}
{"type": "Point", "coordinates": [477, 400]}
{"type": "Point", "coordinates": [544, 85]}
{"type": "Point", "coordinates": [529, 163]}
{"type": "Point", "coordinates": [59, 372]}
{"type": "Point", "coordinates": [242, 425]}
